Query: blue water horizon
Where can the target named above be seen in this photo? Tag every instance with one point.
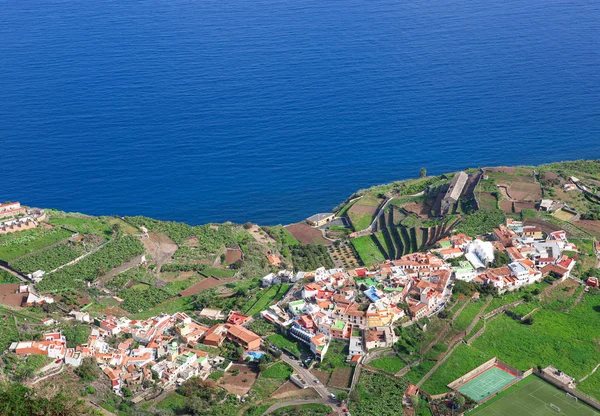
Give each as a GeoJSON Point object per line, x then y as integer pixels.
{"type": "Point", "coordinates": [271, 111]}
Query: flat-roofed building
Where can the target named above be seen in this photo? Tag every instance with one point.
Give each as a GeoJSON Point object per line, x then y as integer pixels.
{"type": "Point", "coordinates": [320, 219]}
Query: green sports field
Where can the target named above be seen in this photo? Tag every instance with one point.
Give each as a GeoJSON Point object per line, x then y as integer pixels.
{"type": "Point", "coordinates": [532, 396]}
{"type": "Point", "coordinates": [486, 384]}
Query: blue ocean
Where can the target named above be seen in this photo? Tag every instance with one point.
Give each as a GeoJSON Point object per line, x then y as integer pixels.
{"type": "Point", "coordinates": [270, 111]}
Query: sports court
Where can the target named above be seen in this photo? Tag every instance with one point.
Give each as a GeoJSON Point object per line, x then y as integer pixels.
{"type": "Point", "coordinates": [532, 396]}
{"type": "Point", "coordinates": [487, 383]}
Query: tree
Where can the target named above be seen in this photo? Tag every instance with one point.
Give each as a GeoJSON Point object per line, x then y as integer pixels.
{"type": "Point", "coordinates": [500, 259]}
{"type": "Point", "coordinates": [76, 335]}
{"type": "Point", "coordinates": [458, 401]}
{"type": "Point", "coordinates": [423, 173]}
{"type": "Point", "coordinates": [262, 367]}
{"type": "Point", "coordinates": [126, 392]}
{"type": "Point", "coordinates": [88, 370]}
{"type": "Point", "coordinates": [414, 399]}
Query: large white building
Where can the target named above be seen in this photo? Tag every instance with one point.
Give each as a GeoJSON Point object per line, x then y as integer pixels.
{"type": "Point", "coordinates": [483, 250]}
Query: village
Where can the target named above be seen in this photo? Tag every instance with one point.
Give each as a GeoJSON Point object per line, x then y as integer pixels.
{"type": "Point", "coordinates": [360, 306]}
{"type": "Point", "coordinates": [389, 287]}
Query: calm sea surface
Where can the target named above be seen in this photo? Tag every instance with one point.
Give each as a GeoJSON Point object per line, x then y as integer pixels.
{"type": "Point", "coordinates": [271, 111]}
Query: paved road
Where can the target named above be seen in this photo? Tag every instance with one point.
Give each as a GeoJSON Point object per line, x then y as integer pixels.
{"type": "Point", "coordinates": [310, 382]}
{"type": "Point", "coordinates": [307, 376]}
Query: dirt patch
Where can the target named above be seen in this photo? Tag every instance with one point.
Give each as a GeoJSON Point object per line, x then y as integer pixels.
{"type": "Point", "coordinates": [341, 378]}
{"type": "Point", "coordinates": [525, 191]}
{"type": "Point", "coordinates": [505, 169]}
{"type": "Point", "coordinates": [177, 276]}
{"type": "Point", "coordinates": [289, 389]}
{"type": "Point", "coordinates": [589, 225]}
{"type": "Point", "coordinates": [506, 206]}
{"type": "Point", "coordinates": [203, 285]}
{"type": "Point", "coordinates": [260, 236]}
{"type": "Point", "coordinates": [232, 255]}
{"type": "Point", "coordinates": [363, 209]}
{"type": "Point", "coordinates": [241, 383]}
{"type": "Point", "coordinates": [321, 375]}
{"type": "Point", "coordinates": [115, 310]}
{"type": "Point", "coordinates": [160, 247]}
{"type": "Point", "coordinates": [422, 210]}
{"type": "Point", "coordinates": [12, 299]}
{"type": "Point", "coordinates": [307, 234]}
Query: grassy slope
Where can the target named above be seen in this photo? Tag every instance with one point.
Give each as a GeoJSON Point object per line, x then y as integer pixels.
{"type": "Point", "coordinates": [367, 250]}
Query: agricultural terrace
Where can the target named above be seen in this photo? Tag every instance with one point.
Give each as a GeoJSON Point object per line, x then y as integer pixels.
{"type": "Point", "coordinates": [343, 255]}
{"type": "Point", "coordinates": [390, 364]}
{"type": "Point", "coordinates": [90, 268]}
{"type": "Point", "coordinates": [362, 212]}
{"type": "Point", "coordinates": [335, 357]}
{"type": "Point", "coordinates": [48, 259]}
{"type": "Point", "coordinates": [269, 296]}
{"type": "Point", "coordinates": [83, 224]}
{"type": "Point", "coordinates": [466, 316]}
{"type": "Point", "coordinates": [15, 245]}
{"type": "Point", "coordinates": [8, 331]}
{"type": "Point", "coordinates": [208, 238]}
{"type": "Point", "coordinates": [278, 370]}
{"type": "Point", "coordinates": [564, 339]}
{"type": "Point", "coordinates": [367, 250]}
{"type": "Point", "coordinates": [306, 234]}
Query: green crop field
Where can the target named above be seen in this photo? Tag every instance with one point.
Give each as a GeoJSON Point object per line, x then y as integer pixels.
{"type": "Point", "coordinates": [468, 314]}
{"type": "Point", "coordinates": [15, 245]}
{"type": "Point", "coordinates": [367, 250]}
{"type": "Point", "coordinates": [391, 364]}
{"type": "Point", "coordinates": [265, 299]}
{"type": "Point", "coordinates": [82, 224]}
{"type": "Point", "coordinates": [284, 343]}
{"type": "Point", "coordinates": [48, 260]}
{"type": "Point", "coordinates": [278, 370]}
{"type": "Point", "coordinates": [532, 396]}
